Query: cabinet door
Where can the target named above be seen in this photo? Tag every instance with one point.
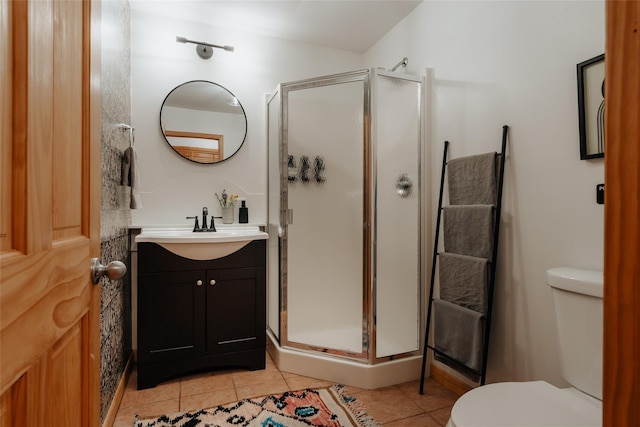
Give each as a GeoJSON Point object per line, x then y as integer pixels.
{"type": "Point", "coordinates": [171, 312]}
{"type": "Point", "coordinates": [235, 310]}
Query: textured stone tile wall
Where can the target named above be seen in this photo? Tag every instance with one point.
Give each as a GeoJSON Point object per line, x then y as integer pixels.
{"type": "Point", "coordinates": [115, 304]}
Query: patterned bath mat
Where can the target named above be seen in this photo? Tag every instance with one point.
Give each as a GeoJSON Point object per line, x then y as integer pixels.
{"type": "Point", "coordinates": [327, 407]}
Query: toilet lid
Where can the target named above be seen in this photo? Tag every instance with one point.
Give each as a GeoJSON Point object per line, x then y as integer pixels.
{"type": "Point", "coordinates": [534, 404]}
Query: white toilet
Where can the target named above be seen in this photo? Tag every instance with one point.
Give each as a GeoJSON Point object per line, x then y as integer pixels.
{"type": "Point", "coordinates": [577, 297]}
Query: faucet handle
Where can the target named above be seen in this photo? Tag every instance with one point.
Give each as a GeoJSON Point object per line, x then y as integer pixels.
{"type": "Point", "coordinates": [196, 226]}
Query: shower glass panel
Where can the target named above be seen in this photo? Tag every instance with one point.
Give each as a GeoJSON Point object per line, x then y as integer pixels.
{"type": "Point", "coordinates": [324, 139]}
{"type": "Point", "coordinates": [273, 269]}
{"type": "Point", "coordinates": [396, 142]}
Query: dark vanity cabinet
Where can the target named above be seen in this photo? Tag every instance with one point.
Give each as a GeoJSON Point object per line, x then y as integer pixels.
{"type": "Point", "coordinates": [194, 315]}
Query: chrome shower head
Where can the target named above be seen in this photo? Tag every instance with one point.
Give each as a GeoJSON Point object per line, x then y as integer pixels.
{"type": "Point", "coordinates": [402, 64]}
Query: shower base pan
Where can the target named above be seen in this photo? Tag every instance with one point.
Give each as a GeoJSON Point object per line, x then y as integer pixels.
{"type": "Point", "coordinates": [344, 371]}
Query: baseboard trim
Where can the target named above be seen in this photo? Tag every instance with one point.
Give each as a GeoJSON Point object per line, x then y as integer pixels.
{"type": "Point", "coordinates": [117, 397]}
{"type": "Point", "coordinates": [453, 384]}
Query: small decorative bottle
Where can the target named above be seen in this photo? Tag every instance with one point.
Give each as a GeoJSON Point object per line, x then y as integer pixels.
{"type": "Point", "coordinates": [243, 214]}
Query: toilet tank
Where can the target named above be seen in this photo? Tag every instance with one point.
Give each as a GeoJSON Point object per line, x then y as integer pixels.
{"type": "Point", "coordinates": [577, 296]}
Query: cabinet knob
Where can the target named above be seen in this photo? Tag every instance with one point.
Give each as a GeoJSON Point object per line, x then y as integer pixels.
{"type": "Point", "coordinates": [199, 283]}
{"type": "Point", "coordinates": [212, 282]}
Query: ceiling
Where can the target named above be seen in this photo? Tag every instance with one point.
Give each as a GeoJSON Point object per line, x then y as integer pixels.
{"type": "Point", "coordinates": [353, 25]}
{"type": "Point", "coordinates": [204, 96]}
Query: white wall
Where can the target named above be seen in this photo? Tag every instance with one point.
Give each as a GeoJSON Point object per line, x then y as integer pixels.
{"type": "Point", "coordinates": [495, 63]}
{"type": "Point", "coordinates": [171, 187]}
{"type": "Point", "coordinates": [514, 63]}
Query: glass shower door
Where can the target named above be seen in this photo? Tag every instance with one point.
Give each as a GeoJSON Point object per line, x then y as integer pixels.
{"type": "Point", "coordinates": [324, 124]}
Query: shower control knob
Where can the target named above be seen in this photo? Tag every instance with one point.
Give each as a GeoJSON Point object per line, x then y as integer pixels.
{"type": "Point", "coordinates": [199, 283]}
{"type": "Point", "coordinates": [212, 282]}
{"type": "Point", "coordinates": [404, 186]}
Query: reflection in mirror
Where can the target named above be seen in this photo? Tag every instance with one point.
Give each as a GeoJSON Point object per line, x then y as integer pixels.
{"type": "Point", "coordinates": [203, 121]}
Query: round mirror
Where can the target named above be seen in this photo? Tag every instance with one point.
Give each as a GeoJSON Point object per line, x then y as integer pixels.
{"type": "Point", "coordinates": [203, 122]}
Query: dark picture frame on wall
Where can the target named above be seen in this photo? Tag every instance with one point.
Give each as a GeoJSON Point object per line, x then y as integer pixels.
{"type": "Point", "coordinates": [591, 107]}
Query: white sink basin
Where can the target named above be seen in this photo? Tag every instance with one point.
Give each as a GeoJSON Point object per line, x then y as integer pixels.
{"type": "Point", "coordinates": [201, 245]}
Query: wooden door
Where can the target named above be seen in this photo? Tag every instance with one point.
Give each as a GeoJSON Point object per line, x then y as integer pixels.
{"type": "Point", "coordinates": [621, 386]}
{"type": "Point", "coordinates": [50, 212]}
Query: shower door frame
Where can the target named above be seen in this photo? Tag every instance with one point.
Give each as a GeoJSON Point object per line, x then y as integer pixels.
{"type": "Point", "coordinates": [367, 316]}
{"type": "Point", "coordinates": [368, 353]}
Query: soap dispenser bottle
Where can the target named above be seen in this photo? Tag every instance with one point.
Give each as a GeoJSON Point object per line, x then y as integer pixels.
{"type": "Point", "coordinates": [243, 213]}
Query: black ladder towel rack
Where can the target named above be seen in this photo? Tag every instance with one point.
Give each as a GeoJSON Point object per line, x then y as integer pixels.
{"type": "Point", "coordinates": [476, 373]}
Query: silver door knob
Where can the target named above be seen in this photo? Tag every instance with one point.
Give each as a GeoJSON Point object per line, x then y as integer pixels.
{"type": "Point", "coordinates": [212, 282]}
{"type": "Point", "coordinates": [199, 283]}
{"type": "Point", "coordinates": [114, 270]}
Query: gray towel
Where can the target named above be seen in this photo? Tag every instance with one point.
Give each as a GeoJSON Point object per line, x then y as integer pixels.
{"type": "Point", "coordinates": [468, 230]}
{"type": "Point", "coordinates": [130, 176]}
{"type": "Point", "coordinates": [458, 333]}
{"type": "Point", "coordinates": [464, 280]}
{"type": "Point", "coordinates": [472, 180]}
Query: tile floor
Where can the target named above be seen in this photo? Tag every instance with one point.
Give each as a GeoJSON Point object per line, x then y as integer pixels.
{"type": "Point", "coordinates": [398, 405]}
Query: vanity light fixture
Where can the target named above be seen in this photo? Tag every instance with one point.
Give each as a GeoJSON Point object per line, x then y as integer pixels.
{"type": "Point", "coordinates": [204, 50]}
